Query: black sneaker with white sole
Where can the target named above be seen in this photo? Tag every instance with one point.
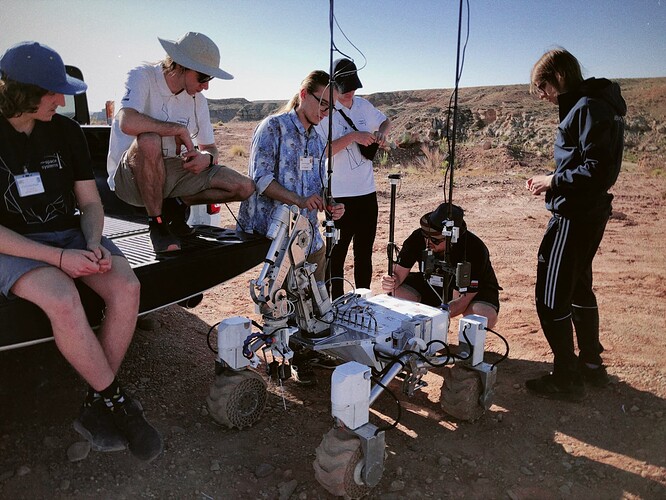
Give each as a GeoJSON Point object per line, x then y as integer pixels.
{"type": "Point", "coordinates": [97, 425]}
{"type": "Point", "coordinates": [144, 441]}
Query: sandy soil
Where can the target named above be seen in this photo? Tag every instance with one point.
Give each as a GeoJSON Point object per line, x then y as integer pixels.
{"type": "Point", "coordinates": [609, 446]}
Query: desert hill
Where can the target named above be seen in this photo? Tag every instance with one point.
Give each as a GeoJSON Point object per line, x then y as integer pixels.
{"type": "Point", "coordinates": [500, 116]}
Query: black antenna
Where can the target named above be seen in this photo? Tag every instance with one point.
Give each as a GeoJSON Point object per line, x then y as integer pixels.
{"type": "Point", "coordinates": [329, 224]}
{"type": "Point", "coordinates": [454, 125]}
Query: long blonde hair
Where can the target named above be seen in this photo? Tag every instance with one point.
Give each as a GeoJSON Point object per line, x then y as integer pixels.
{"type": "Point", "coordinates": [311, 83]}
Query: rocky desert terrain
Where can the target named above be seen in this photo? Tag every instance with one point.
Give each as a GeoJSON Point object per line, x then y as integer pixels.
{"type": "Point", "coordinates": [610, 446]}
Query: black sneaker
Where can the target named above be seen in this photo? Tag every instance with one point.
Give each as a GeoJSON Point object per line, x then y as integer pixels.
{"type": "Point", "coordinates": [96, 424]}
{"type": "Point", "coordinates": [145, 442]}
{"type": "Point", "coordinates": [162, 239]}
{"type": "Point", "coordinates": [597, 377]}
{"type": "Point", "coordinates": [550, 388]}
{"type": "Point", "coordinates": [176, 215]}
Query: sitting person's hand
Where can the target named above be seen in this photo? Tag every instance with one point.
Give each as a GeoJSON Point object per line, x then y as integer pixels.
{"type": "Point", "coordinates": [195, 162]}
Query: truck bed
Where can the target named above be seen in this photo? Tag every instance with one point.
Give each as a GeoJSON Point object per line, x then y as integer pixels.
{"type": "Point", "coordinates": [211, 256]}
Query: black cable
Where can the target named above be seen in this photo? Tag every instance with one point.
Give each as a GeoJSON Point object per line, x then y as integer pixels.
{"type": "Point", "coordinates": [208, 337]}
{"type": "Point", "coordinates": [506, 353]}
{"type": "Point", "coordinates": [397, 402]}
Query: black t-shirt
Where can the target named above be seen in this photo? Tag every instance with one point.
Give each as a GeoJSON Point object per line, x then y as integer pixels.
{"type": "Point", "coordinates": [57, 151]}
{"type": "Point", "coordinates": [469, 248]}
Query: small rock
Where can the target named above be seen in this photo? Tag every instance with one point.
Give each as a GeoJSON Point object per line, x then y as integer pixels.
{"type": "Point", "coordinates": [567, 448]}
{"type": "Point", "coordinates": [526, 471]}
{"type": "Point", "coordinates": [78, 451]}
{"type": "Point", "coordinates": [285, 490]}
{"type": "Point", "coordinates": [397, 485]}
{"type": "Point", "coordinates": [565, 490]}
{"type": "Point", "coordinates": [64, 485]}
{"type": "Point", "coordinates": [176, 430]}
{"type": "Point", "coordinates": [634, 409]}
{"type": "Point", "coordinates": [264, 470]}
{"type": "Point", "coordinates": [399, 471]}
{"type": "Point", "coordinates": [204, 412]}
{"type": "Point", "coordinates": [214, 466]}
{"type": "Point", "coordinates": [512, 495]}
{"type": "Point", "coordinates": [23, 470]}
{"type": "Point", "coordinates": [444, 461]}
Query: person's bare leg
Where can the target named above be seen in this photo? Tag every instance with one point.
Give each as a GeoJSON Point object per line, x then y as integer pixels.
{"type": "Point", "coordinates": [145, 159]}
{"type": "Point", "coordinates": [483, 310]}
{"type": "Point", "coordinates": [54, 292]}
{"type": "Point", "coordinates": [120, 290]}
{"type": "Point", "coordinates": [226, 185]}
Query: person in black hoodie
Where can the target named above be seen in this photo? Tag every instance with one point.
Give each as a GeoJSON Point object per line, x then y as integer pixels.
{"type": "Point", "coordinates": [588, 156]}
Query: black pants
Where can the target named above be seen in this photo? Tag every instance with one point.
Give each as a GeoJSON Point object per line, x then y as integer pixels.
{"type": "Point", "coordinates": [359, 223]}
{"type": "Point", "coordinates": [564, 296]}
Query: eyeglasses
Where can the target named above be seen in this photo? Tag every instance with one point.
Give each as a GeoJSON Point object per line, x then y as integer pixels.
{"type": "Point", "coordinates": [203, 77]}
{"type": "Point", "coordinates": [323, 103]}
{"type": "Point", "coordinates": [434, 241]}
{"type": "Point", "coordinates": [541, 87]}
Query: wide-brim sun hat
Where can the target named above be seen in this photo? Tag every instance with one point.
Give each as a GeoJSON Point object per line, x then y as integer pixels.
{"type": "Point", "coordinates": [36, 64]}
{"type": "Point", "coordinates": [197, 52]}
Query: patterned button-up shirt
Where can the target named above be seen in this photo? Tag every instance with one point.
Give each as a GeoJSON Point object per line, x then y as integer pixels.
{"type": "Point", "coordinates": [278, 144]}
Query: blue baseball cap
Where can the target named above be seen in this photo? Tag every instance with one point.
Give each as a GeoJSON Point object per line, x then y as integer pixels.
{"type": "Point", "coordinates": [36, 64]}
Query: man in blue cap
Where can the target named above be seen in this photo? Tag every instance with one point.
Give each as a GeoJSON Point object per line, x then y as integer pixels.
{"type": "Point", "coordinates": [51, 221]}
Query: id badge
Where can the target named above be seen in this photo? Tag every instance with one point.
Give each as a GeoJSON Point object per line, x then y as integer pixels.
{"type": "Point", "coordinates": [436, 280]}
{"type": "Point", "coordinates": [306, 163]}
{"type": "Point", "coordinates": [29, 184]}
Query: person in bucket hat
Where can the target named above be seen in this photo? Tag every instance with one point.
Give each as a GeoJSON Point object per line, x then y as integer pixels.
{"type": "Point", "coordinates": [51, 222]}
{"type": "Point", "coordinates": [358, 129]}
{"type": "Point", "coordinates": [481, 297]}
{"type": "Point", "coordinates": [162, 153]}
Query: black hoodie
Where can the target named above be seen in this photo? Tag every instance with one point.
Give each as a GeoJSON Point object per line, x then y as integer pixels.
{"type": "Point", "coordinates": [588, 148]}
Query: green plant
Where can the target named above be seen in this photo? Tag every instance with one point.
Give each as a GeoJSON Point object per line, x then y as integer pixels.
{"type": "Point", "coordinates": [383, 158]}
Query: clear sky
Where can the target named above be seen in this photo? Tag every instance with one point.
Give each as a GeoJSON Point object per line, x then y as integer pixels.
{"type": "Point", "coordinates": [270, 45]}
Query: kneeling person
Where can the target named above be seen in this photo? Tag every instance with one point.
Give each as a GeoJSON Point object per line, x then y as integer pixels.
{"type": "Point", "coordinates": [481, 298]}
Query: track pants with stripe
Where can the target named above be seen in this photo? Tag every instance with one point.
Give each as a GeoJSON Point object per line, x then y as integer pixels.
{"type": "Point", "coordinates": [564, 296]}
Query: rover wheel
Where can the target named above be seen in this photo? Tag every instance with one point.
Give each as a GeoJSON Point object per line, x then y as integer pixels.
{"type": "Point", "coordinates": [339, 464]}
{"type": "Point", "coordinates": [460, 393]}
{"type": "Point", "coordinates": [237, 399]}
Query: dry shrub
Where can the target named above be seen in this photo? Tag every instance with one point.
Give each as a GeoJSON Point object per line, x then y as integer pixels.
{"type": "Point", "coordinates": [433, 159]}
{"type": "Point", "coordinates": [237, 150]}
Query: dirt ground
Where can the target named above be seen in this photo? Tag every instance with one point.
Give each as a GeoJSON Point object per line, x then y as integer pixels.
{"type": "Point", "coordinates": [612, 445]}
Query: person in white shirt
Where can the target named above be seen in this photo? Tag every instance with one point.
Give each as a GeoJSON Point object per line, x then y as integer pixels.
{"type": "Point", "coordinates": [358, 130]}
{"type": "Point", "coordinates": [162, 152]}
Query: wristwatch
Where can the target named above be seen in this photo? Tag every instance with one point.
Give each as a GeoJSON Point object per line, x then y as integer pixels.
{"type": "Point", "coordinates": [210, 164]}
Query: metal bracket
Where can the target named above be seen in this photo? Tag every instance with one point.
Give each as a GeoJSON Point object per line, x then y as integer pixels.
{"type": "Point", "coordinates": [373, 443]}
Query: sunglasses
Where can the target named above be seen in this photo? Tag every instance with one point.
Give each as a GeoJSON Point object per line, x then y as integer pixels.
{"type": "Point", "coordinates": [431, 239]}
{"type": "Point", "coordinates": [203, 77]}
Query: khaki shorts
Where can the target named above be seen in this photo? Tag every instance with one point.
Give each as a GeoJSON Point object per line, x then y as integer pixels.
{"type": "Point", "coordinates": [177, 181]}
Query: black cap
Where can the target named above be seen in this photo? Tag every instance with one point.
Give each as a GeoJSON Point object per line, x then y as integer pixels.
{"type": "Point", "coordinates": [345, 76]}
{"type": "Point", "coordinates": [433, 221]}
